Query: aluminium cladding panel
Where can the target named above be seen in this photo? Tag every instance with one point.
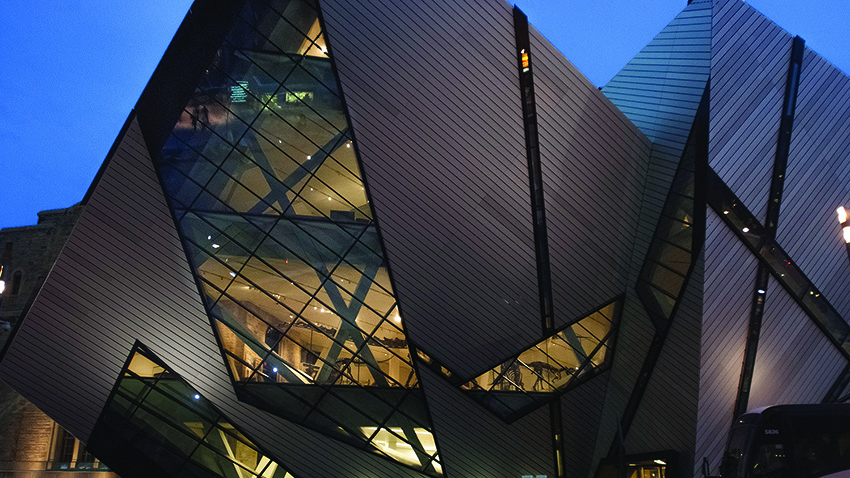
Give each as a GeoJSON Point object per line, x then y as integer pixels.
{"type": "Point", "coordinates": [749, 69]}
{"type": "Point", "coordinates": [667, 417]}
{"type": "Point", "coordinates": [796, 362]}
{"type": "Point", "coordinates": [581, 410]}
{"type": "Point", "coordinates": [432, 89]}
{"type": "Point", "coordinates": [730, 274]}
{"type": "Point", "coordinates": [634, 336]}
{"type": "Point", "coordinates": [818, 180]}
{"type": "Point", "coordinates": [69, 350]}
{"type": "Point", "coordinates": [660, 90]}
{"type": "Point", "coordinates": [593, 162]}
{"type": "Point", "coordinates": [122, 277]}
{"type": "Point", "coordinates": [473, 442]}
{"type": "Point", "coordinates": [661, 87]}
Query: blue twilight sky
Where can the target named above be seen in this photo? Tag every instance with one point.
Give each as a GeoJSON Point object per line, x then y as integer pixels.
{"type": "Point", "coordinates": [71, 71]}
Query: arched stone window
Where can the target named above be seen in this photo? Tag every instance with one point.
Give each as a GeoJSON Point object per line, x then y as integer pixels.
{"type": "Point", "coordinates": [17, 278]}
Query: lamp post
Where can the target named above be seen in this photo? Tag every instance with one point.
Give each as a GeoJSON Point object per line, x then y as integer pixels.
{"type": "Point", "coordinates": [844, 220]}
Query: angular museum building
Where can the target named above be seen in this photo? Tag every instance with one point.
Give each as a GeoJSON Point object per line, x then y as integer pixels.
{"type": "Point", "coordinates": [339, 238]}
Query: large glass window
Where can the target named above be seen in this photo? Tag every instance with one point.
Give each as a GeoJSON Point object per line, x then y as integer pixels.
{"type": "Point", "coordinates": [166, 420]}
{"type": "Point", "coordinates": [557, 363]}
{"type": "Point", "coordinates": [668, 261]}
{"type": "Point", "coordinates": [263, 177]}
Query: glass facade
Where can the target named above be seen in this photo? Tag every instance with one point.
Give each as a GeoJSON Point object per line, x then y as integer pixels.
{"type": "Point", "coordinates": [668, 262]}
{"type": "Point", "coordinates": [567, 358]}
{"type": "Point", "coordinates": [263, 178]}
{"type": "Point", "coordinates": [162, 418]}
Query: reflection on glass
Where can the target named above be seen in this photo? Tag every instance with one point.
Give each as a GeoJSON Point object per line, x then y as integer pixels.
{"type": "Point", "coordinates": [164, 418]}
{"type": "Point", "coordinates": [386, 439]}
{"type": "Point", "coordinates": [262, 173]}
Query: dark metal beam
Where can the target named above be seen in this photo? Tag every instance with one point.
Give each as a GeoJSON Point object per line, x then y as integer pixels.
{"type": "Point", "coordinates": [538, 211]}
{"type": "Point", "coordinates": [780, 164]}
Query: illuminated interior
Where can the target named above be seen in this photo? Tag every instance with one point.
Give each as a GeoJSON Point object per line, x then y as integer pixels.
{"type": "Point", "coordinates": [263, 177]}
{"type": "Point", "coordinates": [551, 364]}
{"type": "Point", "coordinates": [160, 415]}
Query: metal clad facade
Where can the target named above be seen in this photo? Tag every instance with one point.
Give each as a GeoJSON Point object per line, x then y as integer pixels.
{"type": "Point", "coordinates": [433, 94]}
{"type": "Point", "coordinates": [474, 442]}
{"type": "Point", "coordinates": [796, 362]}
{"type": "Point", "coordinates": [749, 70]}
{"type": "Point", "coordinates": [591, 213]}
{"type": "Point", "coordinates": [730, 272]}
{"type": "Point", "coordinates": [581, 410]}
{"type": "Point", "coordinates": [659, 90]}
{"type": "Point", "coordinates": [820, 148]}
{"type": "Point", "coordinates": [122, 277]}
{"type": "Point", "coordinates": [432, 90]}
{"type": "Point", "coordinates": [78, 313]}
{"type": "Point", "coordinates": [665, 420]}
{"type": "Point", "coordinates": [633, 340]}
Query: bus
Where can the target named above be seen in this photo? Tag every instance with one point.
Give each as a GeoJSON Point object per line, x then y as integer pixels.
{"type": "Point", "coordinates": [790, 441]}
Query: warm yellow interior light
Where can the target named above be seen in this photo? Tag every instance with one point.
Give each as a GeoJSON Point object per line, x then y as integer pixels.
{"type": "Point", "coordinates": [842, 214]}
{"type": "Point", "coordinates": [846, 232]}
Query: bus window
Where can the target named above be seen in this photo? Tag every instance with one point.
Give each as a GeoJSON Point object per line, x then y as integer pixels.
{"type": "Point", "coordinates": [785, 441]}
{"type": "Point", "coordinates": [770, 460]}
{"type": "Point", "coordinates": [768, 451]}
{"type": "Point", "coordinates": [822, 444]}
{"type": "Point", "coordinates": [739, 440]}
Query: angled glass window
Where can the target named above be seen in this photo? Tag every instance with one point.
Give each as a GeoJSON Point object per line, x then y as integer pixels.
{"type": "Point", "coordinates": [153, 412]}
{"type": "Point", "coordinates": [262, 175]}
{"type": "Point", "coordinates": [670, 255]}
{"type": "Point", "coordinates": [567, 358]}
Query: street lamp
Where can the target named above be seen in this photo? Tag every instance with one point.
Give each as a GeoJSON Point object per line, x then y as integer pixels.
{"type": "Point", "coordinates": [845, 227]}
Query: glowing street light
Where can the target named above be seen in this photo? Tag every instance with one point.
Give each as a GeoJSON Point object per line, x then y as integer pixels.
{"type": "Point", "coordinates": [845, 227]}
{"type": "Point", "coordinates": [844, 220]}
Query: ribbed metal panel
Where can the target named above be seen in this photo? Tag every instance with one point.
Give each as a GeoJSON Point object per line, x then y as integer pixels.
{"type": "Point", "coordinates": [659, 90]}
{"type": "Point", "coordinates": [474, 442]}
{"type": "Point", "coordinates": [667, 420]}
{"type": "Point", "coordinates": [749, 69]}
{"type": "Point", "coordinates": [433, 94]}
{"type": "Point", "coordinates": [796, 362]}
{"type": "Point", "coordinates": [820, 148]}
{"type": "Point", "coordinates": [581, 411]}
{"type": "Point", "coordinates": [633, 339]}
{"type": "Point", "coordinates": [122, 254]}
{"type": "Point", "coordinates": [730, 272]}
{"type": "Point", "coordinates": [591, 213]}
{"type": "Point", "coordinates": [123, 277]}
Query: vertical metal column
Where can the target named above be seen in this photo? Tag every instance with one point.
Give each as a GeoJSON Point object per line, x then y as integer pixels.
{"type": "Point", "coordinates": [780, 164]}
{"type": "Point", "coordinates": [541, 242]}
